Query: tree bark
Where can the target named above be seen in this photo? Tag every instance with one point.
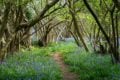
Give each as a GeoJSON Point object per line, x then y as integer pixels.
{"type": "Point", "coordinates": [103, 31]}
{"type": "Point", "coordinates": [76, 25]}
{"type": "Point", "coordinates": [5, 20]}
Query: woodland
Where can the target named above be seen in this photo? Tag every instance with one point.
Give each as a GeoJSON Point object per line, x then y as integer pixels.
{"type": "Point", "coordinates": [59, 40]}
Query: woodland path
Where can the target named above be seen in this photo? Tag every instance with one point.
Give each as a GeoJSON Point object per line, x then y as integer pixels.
{"type": "Point", "coordinates": [67, 75]}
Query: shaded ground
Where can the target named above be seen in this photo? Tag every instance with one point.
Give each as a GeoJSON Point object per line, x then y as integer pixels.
{"type": "Point", "coordinates": [67, 75]}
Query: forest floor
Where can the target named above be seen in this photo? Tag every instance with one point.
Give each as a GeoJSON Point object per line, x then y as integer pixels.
{"type": "Point", "coordinates": [67, 75]}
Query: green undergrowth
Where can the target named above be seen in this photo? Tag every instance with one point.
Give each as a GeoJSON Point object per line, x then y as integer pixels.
{"type": "Point", "coordinates": [63, 47]}
{"type": "Point", "coordinates": [34, 64]}
{"type": "Point", "coordinates": [37, 64]}
{"type": "Point", "coordinates": [90, 66]}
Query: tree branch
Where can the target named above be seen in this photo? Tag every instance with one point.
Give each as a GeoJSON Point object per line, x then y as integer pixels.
{"type": "Point", "coordinates": [37, 18]}
{"type": "Point", "coordinates": [97, 21]}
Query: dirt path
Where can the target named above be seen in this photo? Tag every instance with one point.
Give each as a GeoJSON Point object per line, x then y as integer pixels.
{"type": "Point", "coordinates": [67, 75]}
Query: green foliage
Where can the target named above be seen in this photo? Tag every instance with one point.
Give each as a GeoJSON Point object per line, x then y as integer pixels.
{"type": "Point", "coordinates": [63, 47]}
{"type": "Point", "coordinates": [30, 65]}
{"type": "Point", "coordinates": [91, 66]}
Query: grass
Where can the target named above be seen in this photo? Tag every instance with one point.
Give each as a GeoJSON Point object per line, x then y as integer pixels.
{"type": "Point", "coordinates": [90, 66]}
{"type": "Point", "coordinates": [37, 64]}
{"type": "Point", "coordinates": [63, 47]}
{"type": "Point", "coordinates": [30, 65]}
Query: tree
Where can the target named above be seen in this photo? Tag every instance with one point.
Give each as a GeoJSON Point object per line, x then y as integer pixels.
{"type": "Point", "coordinates": [112, 46]}
{"type": "Point", "coordinates": [19, 25]}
